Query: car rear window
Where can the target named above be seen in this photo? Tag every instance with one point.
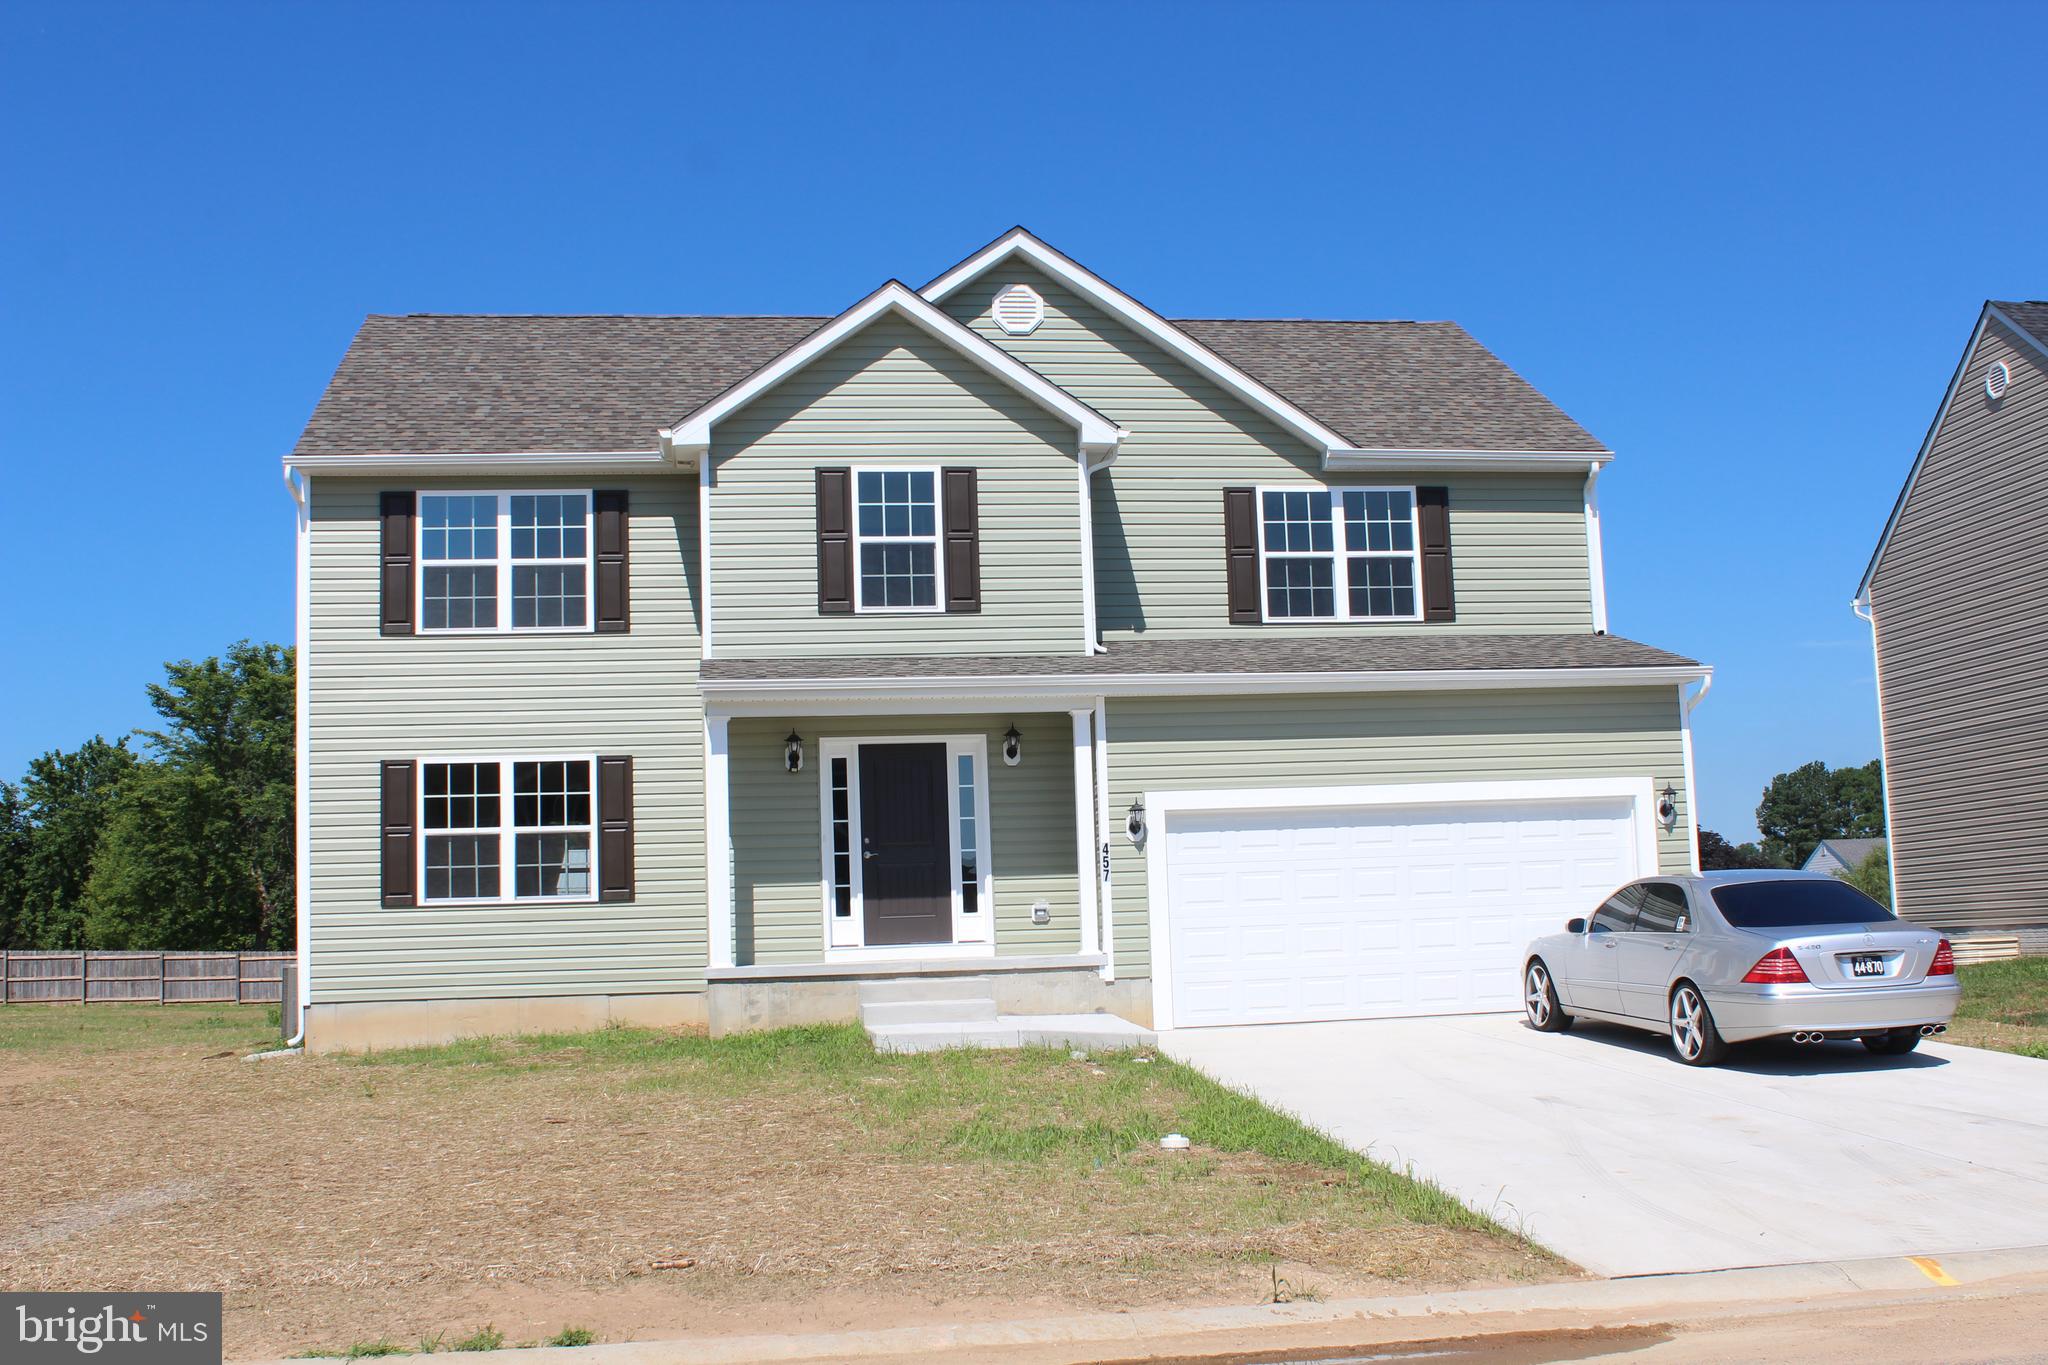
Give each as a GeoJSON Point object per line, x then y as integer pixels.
{"type": "Point", "coordinates": [1784, 905]}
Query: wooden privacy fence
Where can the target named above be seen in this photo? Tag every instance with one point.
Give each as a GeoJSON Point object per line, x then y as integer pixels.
{"type": "Point", "coordinates": [146, 978]}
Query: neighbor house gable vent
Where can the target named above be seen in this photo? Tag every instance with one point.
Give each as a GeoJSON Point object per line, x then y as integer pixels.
{"type": "Point", "coordinates": [1997, 379]}
{"type": "Point", "coordinates": [1018, 310]}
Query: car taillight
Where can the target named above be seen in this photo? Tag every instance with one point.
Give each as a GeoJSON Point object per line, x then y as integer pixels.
{"type": "Point", "coordinates": [1775, 968]}
{"type": "Point", "coordinates": [1944, 961]}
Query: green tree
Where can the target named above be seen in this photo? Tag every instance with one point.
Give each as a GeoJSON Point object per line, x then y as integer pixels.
{"type": "Point", "coordinates": [199, 853]}
{"type": "Point", "coordinates": [1815, 802]}
{"type": "Point", "coordinates": [62, 809]}
{"type": "Point", "coordinates": [1718, 855]}
{"type": "Point", "coordinates": [15, 831]}
{"type": "Point", "coordinates": [1872, 876]}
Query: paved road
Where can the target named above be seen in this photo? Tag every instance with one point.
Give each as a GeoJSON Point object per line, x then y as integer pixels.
{"type": "Point", "coordinates": [1600, 1145]}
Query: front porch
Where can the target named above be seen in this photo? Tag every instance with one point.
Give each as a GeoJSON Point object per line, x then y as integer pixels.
{"type": "Point", "coordinates": [895, 846]}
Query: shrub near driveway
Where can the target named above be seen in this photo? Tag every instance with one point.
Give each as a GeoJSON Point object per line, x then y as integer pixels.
{"type": "Point", "coordinates": [644, 1184]}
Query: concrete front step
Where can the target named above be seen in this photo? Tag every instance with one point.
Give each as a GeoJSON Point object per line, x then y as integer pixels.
{"type": "Point", "coordinates": [894, 988]}
{"type": "Point", "coordinates": [1092, 1031]}
{"type": "Point", "coordinates": [965, 1010]}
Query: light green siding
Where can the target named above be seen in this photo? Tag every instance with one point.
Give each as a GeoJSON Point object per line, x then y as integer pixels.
{"type": "Point", "coordinates": [778, 865]}
{"type": "Point", "coordinates": [890, 395]}
{"type": "Point", "coordinates": [1160, 744]}
{"type": "Point", "coordinates": [1518, 541]}
{"type": "Point", "coordinates": [374, 698]}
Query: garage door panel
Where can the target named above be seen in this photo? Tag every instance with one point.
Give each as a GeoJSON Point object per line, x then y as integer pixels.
{"type": "Point", "coordinates": [1278, 916]}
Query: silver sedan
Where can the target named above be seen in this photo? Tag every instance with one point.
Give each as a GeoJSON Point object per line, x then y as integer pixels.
{"type": "Point", "coordinates": [1731, 956]}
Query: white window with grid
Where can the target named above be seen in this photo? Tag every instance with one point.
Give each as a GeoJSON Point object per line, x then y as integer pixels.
{"type": "Point", "coordinates": [513, 561]}
{"type": "Point", "coordinates": [507, 829]}
{"type": "Point", "coordinates": [898, 566]}
{"type": "Point", "coordinates": [1347, 554]}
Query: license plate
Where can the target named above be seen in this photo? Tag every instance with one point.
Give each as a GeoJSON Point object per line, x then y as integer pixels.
{"type": "Point", "coordinates": [1866, 964]}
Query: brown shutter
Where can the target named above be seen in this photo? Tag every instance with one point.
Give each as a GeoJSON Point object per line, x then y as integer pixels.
{"type": "Point", "coordinates": [608, 512]}
{"type": "Point", "coordinates": [1241, 546]}
{"type": "Point", "coordinates": [398, 834]}
{"type": "Point", "coordinates": [615, 828]}
{"type": "Point", "coordinates": [1433, 517]}
{"type": "Point", "coordinates": [835, 541]}
{"type": "Point", "coordinates": [396, 512]}
{"type": "Point", "coordinates": [962, 526]}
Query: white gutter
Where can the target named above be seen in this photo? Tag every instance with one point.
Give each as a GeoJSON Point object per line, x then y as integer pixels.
{"type": "Point", "coordinates": [704, 478]}
{"type": "Point", "coordinates": [1186, 684]}
{"type": "Point", "coordinates": [301, 489]}
{"type": "Point", "coordinates": [486, 462]}
{"type": "Point", "coordinates": [1453, 461]}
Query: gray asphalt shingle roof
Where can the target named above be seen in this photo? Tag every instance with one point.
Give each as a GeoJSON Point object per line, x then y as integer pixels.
{"type": "Point", "coordinates": [461, 384]}
{"type": "Point", "coordinates": [2031, 314]}
{"type": "Point", "coordinates": [1268, 651]}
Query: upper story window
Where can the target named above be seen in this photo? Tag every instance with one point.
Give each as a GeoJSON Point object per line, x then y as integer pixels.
{"type": "Point", "coordinates": [896, 540]}
{"type": "Point", "coordinates": [504, 561]}
{"type": "Point", "coordinates": [1348, 554]}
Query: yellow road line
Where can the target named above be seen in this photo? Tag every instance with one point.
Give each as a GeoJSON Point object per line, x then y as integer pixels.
{"type": "Point", "coordinates": [1931, 1268]}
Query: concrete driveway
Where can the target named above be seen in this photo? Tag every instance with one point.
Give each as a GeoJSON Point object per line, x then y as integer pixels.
{"type": "Point", "coordinates": [1600, 1145]}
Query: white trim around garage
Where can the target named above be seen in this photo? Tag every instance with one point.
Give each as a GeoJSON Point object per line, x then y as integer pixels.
{"type": "Point", "coordinates": [1162, 806]}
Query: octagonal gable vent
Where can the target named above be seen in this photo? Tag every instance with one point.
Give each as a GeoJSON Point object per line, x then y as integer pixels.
{"type": "Point", "coordinates": [1997, 379]}
{"type": "Point", "coordinates": [1018, 310]}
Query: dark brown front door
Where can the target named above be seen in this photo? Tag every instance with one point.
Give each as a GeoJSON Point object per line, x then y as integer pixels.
{"type": "Point", "coordinates": [906, 847]}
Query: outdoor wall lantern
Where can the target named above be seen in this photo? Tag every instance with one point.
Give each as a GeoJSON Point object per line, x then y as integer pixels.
{"type": "Point", "coordinates": [793, 752]}
{"type": "Point", "coordinates": [1013, 747]}
{"type": "Point", "coordinates": [1667, 807]}
{"type": "Point", "coordinates": [1134, 823]}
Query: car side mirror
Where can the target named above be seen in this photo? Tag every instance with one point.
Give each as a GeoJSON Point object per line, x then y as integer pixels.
{"type": "Point", "coordinates": [1575, 926]}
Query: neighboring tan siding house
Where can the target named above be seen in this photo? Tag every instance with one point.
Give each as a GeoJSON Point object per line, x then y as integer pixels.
{"type": "Point", "coordinates": [1957, 593]}
{"type": "Point", "coordinates": [701, 670]}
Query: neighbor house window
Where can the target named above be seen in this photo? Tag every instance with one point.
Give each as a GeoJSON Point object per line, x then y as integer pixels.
{"type": "Point", "coordinates": [473, 833]}
{"type": "Point", "coordinates": [896, 535]}
{"type": "Point", "coordinates": [1346, 554]}
{"type": "Point", "coordinates": [504, 561]}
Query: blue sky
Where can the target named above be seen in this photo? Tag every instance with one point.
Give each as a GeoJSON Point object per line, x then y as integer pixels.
{"type": "Point", "coordinates": [1744, 245]}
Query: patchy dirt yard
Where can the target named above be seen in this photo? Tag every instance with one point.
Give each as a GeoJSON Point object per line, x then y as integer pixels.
{"type": "Point", "coordinates": [643, 1184]}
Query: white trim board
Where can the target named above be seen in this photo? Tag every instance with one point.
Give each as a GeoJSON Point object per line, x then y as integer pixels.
{"type": "Point", "coordinates": [1161, 806]}
{"type": "Point", "coordinates": [688, 440]}
{"type": "Point", "coordinates": [1337, 452]}
{"type": "Point", "coordinates": [480, 463]}
{"type": "Point", "coordinates": [1059, 692]}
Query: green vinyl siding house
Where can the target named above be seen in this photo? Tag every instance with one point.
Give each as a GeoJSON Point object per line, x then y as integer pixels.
{"type": "Point", "coordinates": [709, 670]}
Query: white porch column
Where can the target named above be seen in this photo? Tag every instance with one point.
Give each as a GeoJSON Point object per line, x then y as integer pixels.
{"type": "Point", "coordinates": [717, 842]}
{"type": "Point", "coordinates": [1084, 828]}
{"type": "Point", "coordinates": [1107, 914]}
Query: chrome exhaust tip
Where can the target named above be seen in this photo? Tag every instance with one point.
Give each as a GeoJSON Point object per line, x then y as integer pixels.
{"type": "Point", "coordinates": [1933, 1030]}
{"type": "Point", "coordinates": [1809, 1037]}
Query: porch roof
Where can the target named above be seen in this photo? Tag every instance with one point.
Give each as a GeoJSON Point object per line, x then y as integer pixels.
{"type": "Point", "coordinates": [1337, 660]}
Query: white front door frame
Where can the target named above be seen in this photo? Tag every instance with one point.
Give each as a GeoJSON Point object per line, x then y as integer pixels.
{"type": "Point", "coordinates": [973, 931]}
{"type": "Point", "coordinates": [1162, 806]}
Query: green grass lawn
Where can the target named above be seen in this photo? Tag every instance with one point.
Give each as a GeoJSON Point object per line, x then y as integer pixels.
{"type": "Point", "coordinates": [84, 1030]}
{"type": "Point", "coordinates": [2005, 1006]}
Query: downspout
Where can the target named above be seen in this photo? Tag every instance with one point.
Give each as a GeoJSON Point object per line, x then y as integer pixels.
{"type": "Point", "coordinates": [1091, 636]}
{"type": "Point", "coordinates": [1596, 559]}
{"type": "Point", "coordinates": [1867, 609]}
{"type": "Point", "coordinates": [300, 486]}
{"type": "Point", "coordinates": [1692, 795]}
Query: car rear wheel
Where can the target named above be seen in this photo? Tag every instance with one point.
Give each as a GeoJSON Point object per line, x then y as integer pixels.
{"type": "Point", "coordinates": [1539, 1000]}
{"type": "Point", "coordinates": [1693, 1035]}
{"type": "Point", "coordinates": [1897, 1043]}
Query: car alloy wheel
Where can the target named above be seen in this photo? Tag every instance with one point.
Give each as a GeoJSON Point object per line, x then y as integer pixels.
{"type": "Point", "coordinates": [1536, 997]}
{"type": "Point", "coordinates": [1693, 1035]}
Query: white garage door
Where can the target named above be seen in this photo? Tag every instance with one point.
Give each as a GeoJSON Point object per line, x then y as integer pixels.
{"type": "Point", "coordinates": [1286, 915]}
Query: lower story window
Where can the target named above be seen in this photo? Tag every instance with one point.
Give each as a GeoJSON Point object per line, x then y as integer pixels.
{"type": "Point", "coordinates": [842, 843]}
{"type": "Point", "coordinates": [544, 833]}
{"type": "Point", "coordinates": [970, 865]}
